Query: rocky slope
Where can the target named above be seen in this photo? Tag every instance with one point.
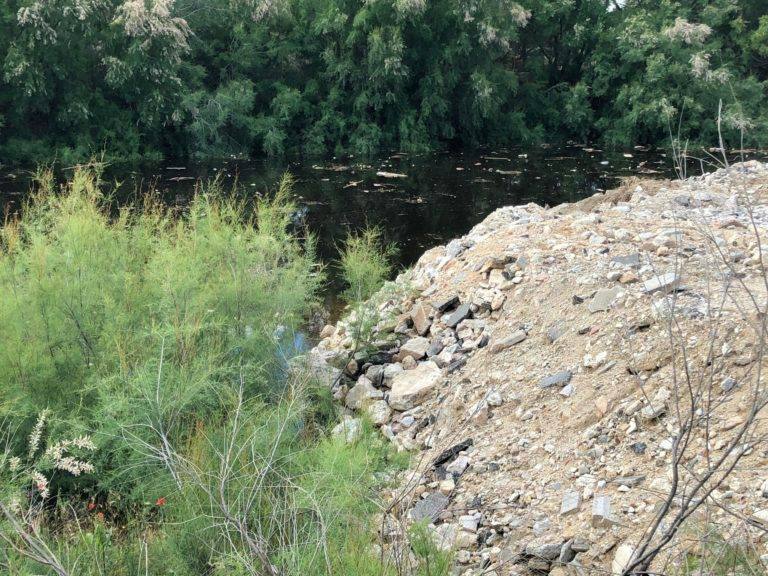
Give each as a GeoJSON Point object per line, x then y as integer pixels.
{"type": "Point", "coordinates": [548, 369]}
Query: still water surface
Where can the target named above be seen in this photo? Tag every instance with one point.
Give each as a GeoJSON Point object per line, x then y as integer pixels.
{"type": "Point", "coordinates": [437, 197]}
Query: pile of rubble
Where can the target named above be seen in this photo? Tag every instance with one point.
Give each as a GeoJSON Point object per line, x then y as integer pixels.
{"type": "Point", "coordinates": [534, 370]}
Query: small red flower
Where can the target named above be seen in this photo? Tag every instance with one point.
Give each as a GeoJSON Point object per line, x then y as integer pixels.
{"type": "Point", "coordinates": [160, 501]}
{"type": "Point", "coordinates": [91, 506]}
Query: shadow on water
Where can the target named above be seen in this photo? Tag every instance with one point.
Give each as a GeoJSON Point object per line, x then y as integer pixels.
{"type": "Point", "coordinates": [424, 201]}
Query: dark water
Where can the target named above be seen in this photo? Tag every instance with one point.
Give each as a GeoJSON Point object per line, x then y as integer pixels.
{"type": "Point", "coordinates": [441, 196]}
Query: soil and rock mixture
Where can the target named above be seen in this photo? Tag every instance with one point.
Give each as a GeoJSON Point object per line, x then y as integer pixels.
{"type": "Point", "coordinates": [547, 370]}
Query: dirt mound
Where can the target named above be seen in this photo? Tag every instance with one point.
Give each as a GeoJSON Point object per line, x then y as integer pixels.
{"type": "Point", "coordinates": [569, 379]}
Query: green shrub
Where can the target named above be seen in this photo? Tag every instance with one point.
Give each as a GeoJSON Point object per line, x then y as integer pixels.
{"type": "Point", "coordinates": [161, 335]}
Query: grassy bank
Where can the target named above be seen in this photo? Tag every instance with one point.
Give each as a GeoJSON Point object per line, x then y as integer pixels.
{"type": "Point", "coordinates": [149, 423]}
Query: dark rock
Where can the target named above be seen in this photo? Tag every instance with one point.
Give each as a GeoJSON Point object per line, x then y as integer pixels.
{"type": "Point", "coordinates": [576, 299]}
{"type": "Point", "coordinates": [435, 347]}
{"type": "Point", "coordinates": [461, 313]}
{"type": "Point", "coordinates": [451, 452]}
{"type": "Point", "coordinates": [638, 447]}
{"type": "Point", "coordinates": [567, 553]}
{"type": "Point", "coordinates": [375, 374]}
{"type": "Point", "coordinates": [559, 379]}
{"type": "Point", "coordinates": [456, 365]}
{"type": "Point", "coordinates": [446, 303]}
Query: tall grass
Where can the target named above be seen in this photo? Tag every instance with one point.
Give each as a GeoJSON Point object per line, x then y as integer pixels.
{"type": "Point", "coordinates": [158, 334]}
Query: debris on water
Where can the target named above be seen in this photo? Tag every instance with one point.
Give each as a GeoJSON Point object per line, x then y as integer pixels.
{"type": "Point", "coordinates": [384, 174]}
{"type": "Point", "coordinates": [332, 167]}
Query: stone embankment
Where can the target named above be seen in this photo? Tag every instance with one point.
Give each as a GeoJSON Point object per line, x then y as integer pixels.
{"type": "Point", "coordinates": [549, 369]}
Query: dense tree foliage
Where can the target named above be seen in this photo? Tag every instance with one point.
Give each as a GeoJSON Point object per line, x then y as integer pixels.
{"type": "Point", "coordinates": [222, 77]}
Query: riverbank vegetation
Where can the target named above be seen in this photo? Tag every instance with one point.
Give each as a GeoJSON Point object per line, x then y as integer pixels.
{"type": "Point", "coordinates": [149, 421]}
{"type": "Point", "coordinates": [212, 78]}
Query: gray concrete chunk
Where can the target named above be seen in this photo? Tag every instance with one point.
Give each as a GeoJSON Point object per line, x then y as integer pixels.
{"type": "Point", "coordinates": [430, 507]}
{"type": "Point", "coordinates": [601, 511]}
{"type": "Point", "coordinates": [571, 502]}
{"type": "Point", "coordinates": [664, 283]}
{"type": "Point", "coordinates": [602, 300]}
{"type": "Point", "coordinates": [559, 379]}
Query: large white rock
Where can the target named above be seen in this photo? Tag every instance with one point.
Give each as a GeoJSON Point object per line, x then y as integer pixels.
{"type": "Point", "coordinates": [416, 348]}
{"type": "Point", "coordinates": [379, 412]}
{"type": "Point", "coordinates": [411, 387]}
{"type": "Point", "coordinates": [621, 559]}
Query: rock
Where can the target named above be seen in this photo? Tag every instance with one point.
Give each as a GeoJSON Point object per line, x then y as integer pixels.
{"type": "Point", "coordinates": [435, 347]}
{"type": "Point", "coordinates": [469, 522]}
{"type": "Point", "coordinates": [507, 342]}
{"type": "Point", "coordinates": [430, 508]}
{"type": "Point", "coordinates": [596, 360]}
{"type": "Point", "coordinates": [630, 481]}
{"type": "Point", "coordinates": [664, 283]}
{"type": "Point", "coordinates": [638, 448]}
{"type": "Point", "coordinates": [601, 511]}
{"type": "Point", "coordinates": [420, 317]}
{"type": "Point", "coordinates": [628, 278]}
{"type": "Point", "coordinates": [728, 384]}
{"type": "Point", "coordinates": [602, 405]}
{"type": "Point", "coordinates": [632, 260]}
{"type": "Point", "coordinates": [458, 466]}
{"type": "Point", "coordinates": [389, 373]}
{"type": "Point", "coordinates": [450, 453]}
{"type": "Point", "coordinates": [621, 559]}
{"type": "Point", "coordinates": [362, 394]}
{"type": "Point", "coordinates": [603, 298]}
{"type": "Point", "coordinates": [445, 303]}
{"type": "Point", "coordinates": [375, 374]}
{"type": "Point", "coordinates": [566, 391]}
{"type": "Point", "coordinates": [327, 331]}
{"type": "Point", "coordinates": [494, 398]}
{"type": "Point", "coordinates": [549, 551]}
{"type": "Point", "coordinates": [653, 411]}
{"type": "Point", "coordinates": [461, 313]}
{"type": "Point", "coordinates": [409, 363]}
{"type": "Point", "coordinates": [456, 365]}
{"type": "Point", "coordinates": [570, 503]}
{"type": "Point", "coordinates": [416, 348]}
{"type": "Point", "coordinates": [559, 379]}
{"type": "Point", "coordinates": [650, 360]}
{"type": "Point", "coordinates": [379, 412]}
{"type": "Point", "coordinates": [554, 332]}
{"type": "Point", "coordinates": [447, 485]}
{"type": "Point", "coordinates": [350, 428]}
{"type": "Point", "coordinates": [761, 516]}
{"type": "Point", "coordinates": [410, 388]}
